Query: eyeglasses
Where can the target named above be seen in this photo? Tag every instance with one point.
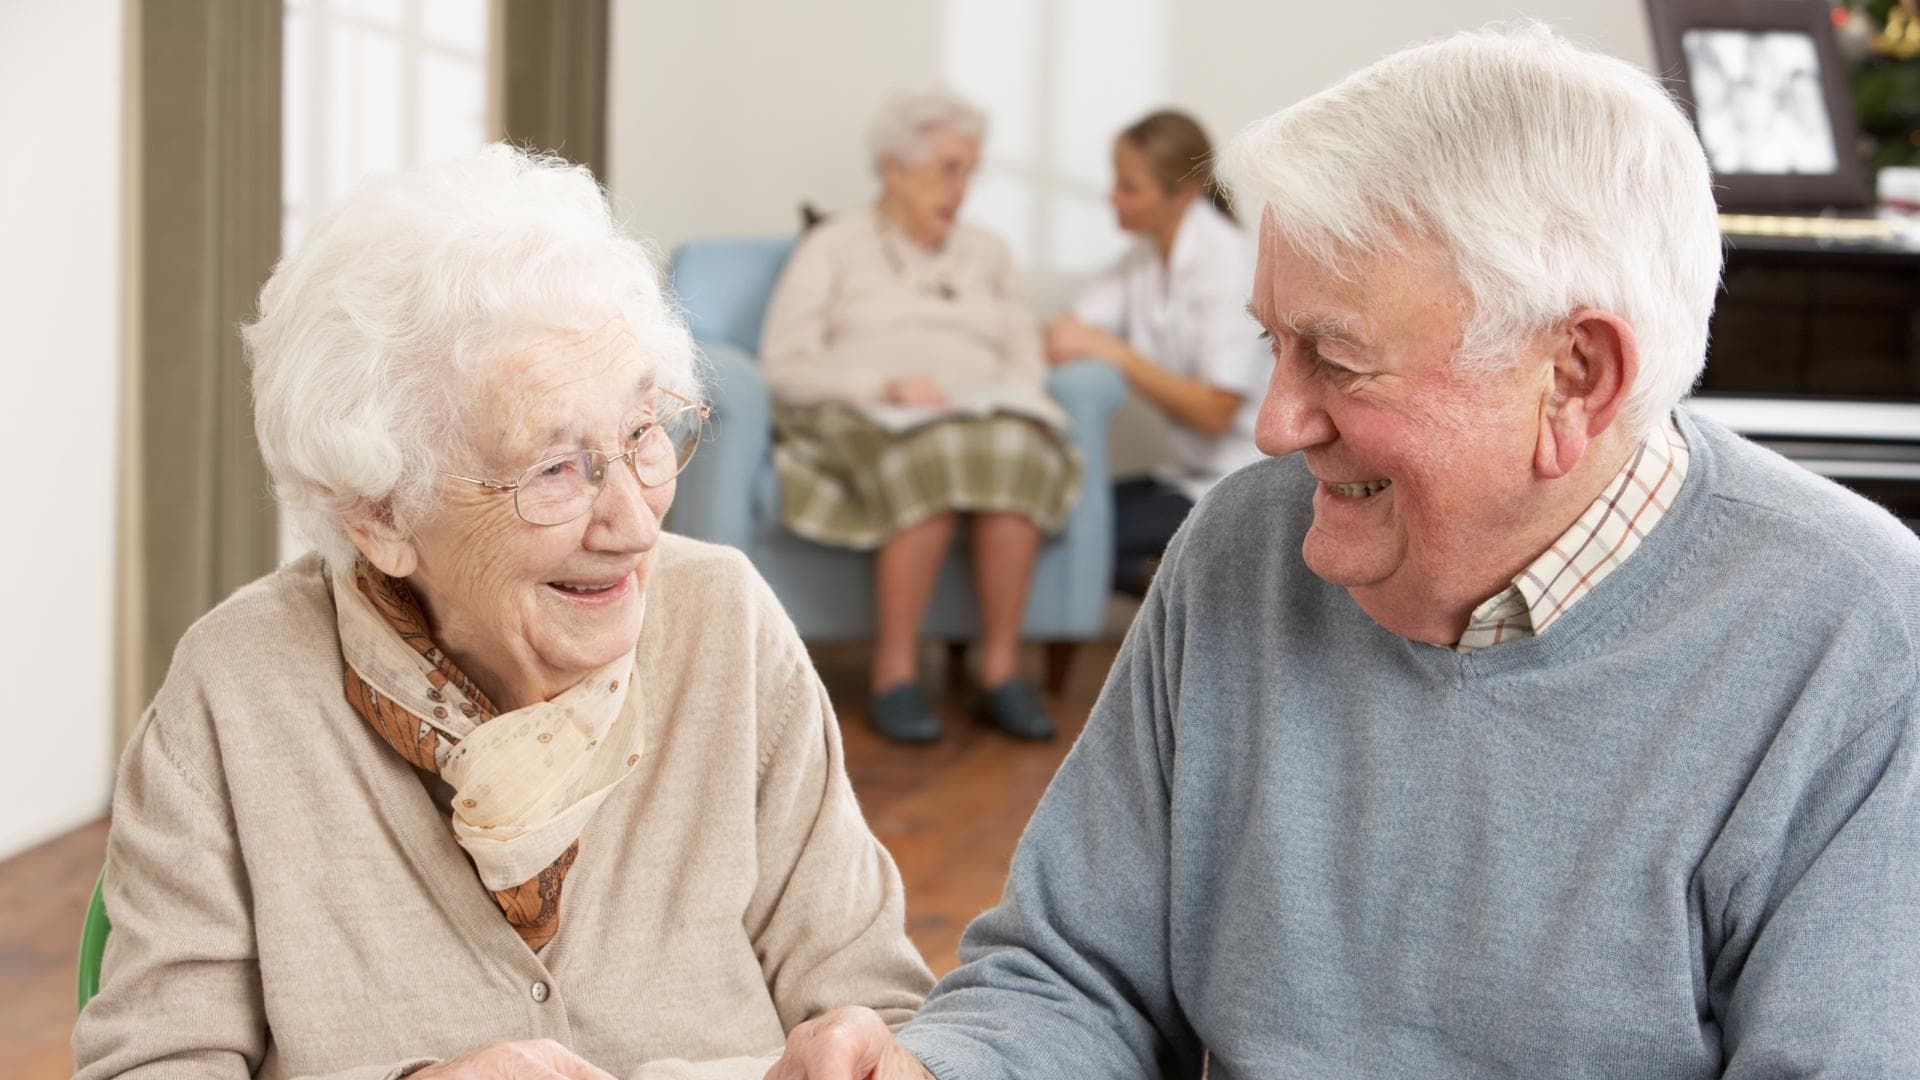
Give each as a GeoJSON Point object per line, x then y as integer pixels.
{"type": "Point", "coordinates": [561, 489]}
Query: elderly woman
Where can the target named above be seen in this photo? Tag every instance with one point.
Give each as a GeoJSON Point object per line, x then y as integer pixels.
{"type": "Point", "coordinates": [502, 781]}
{"type": "Point", "coordinates": [909, 375]}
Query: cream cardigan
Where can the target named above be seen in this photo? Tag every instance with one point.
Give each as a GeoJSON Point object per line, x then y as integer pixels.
{"type": "Point", "coordinates": [288, 900]}
{"type": "Point", "coordinates": [858, 306]}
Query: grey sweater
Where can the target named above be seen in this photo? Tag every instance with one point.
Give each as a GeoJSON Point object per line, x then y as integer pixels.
{"type": "Point", "coordinates": [1676, 836]}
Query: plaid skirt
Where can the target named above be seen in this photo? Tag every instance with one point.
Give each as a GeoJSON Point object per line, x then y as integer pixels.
{"type": "Point", "coordinates": [847, 482]}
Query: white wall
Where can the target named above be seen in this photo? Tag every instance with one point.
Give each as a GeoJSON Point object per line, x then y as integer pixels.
{"type": "Point", "coordinates": [724, 115]}
{"type": "Point", "coordinates": [61, 81]}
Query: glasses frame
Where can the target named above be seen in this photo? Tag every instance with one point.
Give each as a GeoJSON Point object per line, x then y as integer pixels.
{"type": "Point", "coordinates": [687, 404]}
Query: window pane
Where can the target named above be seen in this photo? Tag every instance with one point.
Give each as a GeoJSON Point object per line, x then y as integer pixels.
{"type": "Point", "coordinates": [293, 229]}
{"type": "Point", "coordinates": [456, 24]}
{"type": "Point", "coordinates": [296, 108]}
{"type": "Point", "coordinates": [366, 121]}
{"type": "Point", "coordinates": [1112, 67]}
{"type": "Point", "coordinates": [1004, 204]}
{"type": "Point", "coordinates": [451, 111]}
{"type": "Point", "coordinates": [990, 51]}
{"type": "Point", "coordinates": [1082, 234]}
{"type": "Point", "coordinates": [385, 13]}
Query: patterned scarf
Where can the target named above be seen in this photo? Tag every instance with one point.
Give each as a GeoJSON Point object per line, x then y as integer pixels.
{"type": "Point", "coordinates": [525, 782]}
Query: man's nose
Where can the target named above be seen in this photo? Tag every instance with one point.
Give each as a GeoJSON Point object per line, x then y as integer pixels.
{"type": "Point", "coordinates": [1293, 415]}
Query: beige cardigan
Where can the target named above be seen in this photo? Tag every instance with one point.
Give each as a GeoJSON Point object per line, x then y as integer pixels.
{"type": "Point", "coordinates": [287, 899]}
{"type": "Point", "coordinates": [858, 306]}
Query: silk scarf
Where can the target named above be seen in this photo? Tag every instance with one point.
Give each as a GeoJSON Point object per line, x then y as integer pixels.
{"type": "Point", "coordinates": [526, 781]}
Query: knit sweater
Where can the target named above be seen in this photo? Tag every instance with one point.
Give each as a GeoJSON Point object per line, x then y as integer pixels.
{"type": "Point", "coordinates": [288, 900]}
{"type": "Point", "coordinates": [859, 306]}
{"type": "Point", "coordinates": [1675, 837]}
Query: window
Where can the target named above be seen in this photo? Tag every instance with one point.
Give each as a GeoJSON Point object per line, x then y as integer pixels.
{"type": "Point", "coordinates": [377, 85]}
{"type": "Point", "coordinates": [373, 86]}
{"type": "Point", "coordinates": [1060, 78]}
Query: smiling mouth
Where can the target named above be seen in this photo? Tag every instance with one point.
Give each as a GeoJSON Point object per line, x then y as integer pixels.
{"type": "Point", "coordinates": [589, 588]}
{"type": "Point", "coordinates": [1361, 490]}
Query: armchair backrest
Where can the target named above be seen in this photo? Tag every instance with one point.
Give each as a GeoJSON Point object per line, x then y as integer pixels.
{"type": "Point", "coordinates": [724, 286]}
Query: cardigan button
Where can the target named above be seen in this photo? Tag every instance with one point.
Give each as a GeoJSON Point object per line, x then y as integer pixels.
{"type": "Point", "coordinates": [539, 992]}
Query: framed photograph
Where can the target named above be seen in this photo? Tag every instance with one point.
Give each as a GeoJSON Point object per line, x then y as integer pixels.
{"type": "Point", "coordinates": [1768, 94]}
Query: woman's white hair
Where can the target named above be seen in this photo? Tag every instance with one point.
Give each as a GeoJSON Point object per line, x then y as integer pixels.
{"type": "Point", "coordinates": [372, 337]}
{"type": "Point", "coordinates": [909, 121]}
{"type": "Point", "coordinates": [1554, 177]}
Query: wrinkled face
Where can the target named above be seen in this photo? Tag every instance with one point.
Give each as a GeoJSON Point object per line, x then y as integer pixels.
{"type": "Point", "coordinates": [533, 609]}
{"type": "Point", "coordinates": [1139, 202]}
{"type": "Point", "coordinates": [1424, 466]}
{"type": "Point", "coordinates": [926, 194]}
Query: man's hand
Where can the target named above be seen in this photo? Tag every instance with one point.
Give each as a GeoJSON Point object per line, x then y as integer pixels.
{"type": "Point", "coordinates": [846, 1044]}
{"type": "Point", "coordinates": [531, 1059]}
{"type": "Point", "coordinates": [922, 390]}
{"type": "Point", "coordinates": [1070, 339]}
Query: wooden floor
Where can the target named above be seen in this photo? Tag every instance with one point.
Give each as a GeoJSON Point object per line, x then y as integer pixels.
{"type": "Point", "coordinates": [950, 813]}
{"type": "Point", "coordinates": [43, 893]}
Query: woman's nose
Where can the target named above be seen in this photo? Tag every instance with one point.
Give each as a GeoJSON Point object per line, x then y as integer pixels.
{"type": "Point", "coordinates": [624, 516]}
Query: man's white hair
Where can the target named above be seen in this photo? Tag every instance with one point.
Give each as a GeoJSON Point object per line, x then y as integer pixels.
{"type": "Point", "coordinates": [372, 338]}
{"type": "Point", "coordinates": [1553, 177]}
{"type": "Point", "coordinates": [908, 121]}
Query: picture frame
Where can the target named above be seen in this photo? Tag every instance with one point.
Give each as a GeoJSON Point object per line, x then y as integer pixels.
{"type": "Point", "coordinates": [1765, 86]}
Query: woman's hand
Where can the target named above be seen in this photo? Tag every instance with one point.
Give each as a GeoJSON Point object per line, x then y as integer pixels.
{"type": "Point", "coordinates": [846, 1044]}
{"type": "Point", "coordinates": [1070, 339]}
{"type": "Point", "coordinates": [924, 390]}
{"type": "Point", "coordinates": [524, 1060]}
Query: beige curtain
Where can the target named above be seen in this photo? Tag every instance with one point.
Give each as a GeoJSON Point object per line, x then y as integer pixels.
{"type": "Point", "coordinates": [553, 78]}
{"type": "Point", "coordinates": [199, 516]}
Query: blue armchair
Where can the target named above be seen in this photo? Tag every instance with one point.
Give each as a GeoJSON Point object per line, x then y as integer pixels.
{"type": "Point", "coordinates": [730, 494]}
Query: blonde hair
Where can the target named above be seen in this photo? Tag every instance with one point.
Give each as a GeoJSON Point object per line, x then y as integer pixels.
{"type": "Point", "coordinates": [1178, 151]}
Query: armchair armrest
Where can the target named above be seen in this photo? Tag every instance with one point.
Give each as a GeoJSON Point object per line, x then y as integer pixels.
{"type": "Point", "coordinates": [1089, 391]}
{"type": "Point", "coordinates": [714, 500]}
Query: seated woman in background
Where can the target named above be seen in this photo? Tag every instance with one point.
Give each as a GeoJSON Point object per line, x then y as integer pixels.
{"type": "Point", "coordinates": [1171, 315]}
{"type": "Point", "coordinates": [502, 780]}
{"type": "Point", "coordinates": [910, 384]}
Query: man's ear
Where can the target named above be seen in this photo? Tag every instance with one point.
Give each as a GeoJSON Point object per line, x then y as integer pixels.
{"type": "Point", "coordinates": [380, 539]}
{"type": "Point", "coordinates": [1595, 360]}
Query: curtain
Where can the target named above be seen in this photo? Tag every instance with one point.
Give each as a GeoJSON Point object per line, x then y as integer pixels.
{"type": "Point", "coordinates": [553, 68]}
{"type": "Point", "coordinates": [198, 513]}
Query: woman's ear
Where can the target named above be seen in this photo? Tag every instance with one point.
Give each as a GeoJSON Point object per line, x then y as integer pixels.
{"type": "Point", "coordinates": [380, 539]}
{"type": "Point", "coordinates": [1596, 360]}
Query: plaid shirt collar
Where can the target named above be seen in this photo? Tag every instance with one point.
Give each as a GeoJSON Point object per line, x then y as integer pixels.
{"type": "Point", "coordinates": [1606, 534]}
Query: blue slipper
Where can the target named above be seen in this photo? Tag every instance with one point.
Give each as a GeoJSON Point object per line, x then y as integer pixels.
{"type": "Point", "coordinates": [1013, 708]}
{"type": "Point", "coordinates": [902, 714]}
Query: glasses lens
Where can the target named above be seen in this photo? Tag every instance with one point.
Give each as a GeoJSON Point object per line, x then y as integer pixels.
{"type": "Point", "coordinates": [667, 447]}
{"type": "Point", "coordinates": [559, 489]}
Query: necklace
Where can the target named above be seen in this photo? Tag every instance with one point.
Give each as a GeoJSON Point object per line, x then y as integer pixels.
{"type": "Point", "coordinates": [940, 286]}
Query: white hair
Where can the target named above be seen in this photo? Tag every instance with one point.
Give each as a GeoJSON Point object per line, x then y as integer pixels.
{"type": "Point", "coordinates": [1553, 177]}
{"type": "Point", "coordinates": [908, 121]}
{"type": "Point", "coordinates": [372, 337]}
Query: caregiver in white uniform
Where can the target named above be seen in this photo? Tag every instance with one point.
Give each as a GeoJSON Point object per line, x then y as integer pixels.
{"type": "Point", "coordinates": [1171, 315]}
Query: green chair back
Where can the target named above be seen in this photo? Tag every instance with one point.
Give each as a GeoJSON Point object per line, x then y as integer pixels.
{"type": "Point", "coordinates": [93, 942]}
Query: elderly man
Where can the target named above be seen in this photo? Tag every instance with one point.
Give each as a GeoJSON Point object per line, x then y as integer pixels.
{"type": "Point", "coordinates": [1518, 723]}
